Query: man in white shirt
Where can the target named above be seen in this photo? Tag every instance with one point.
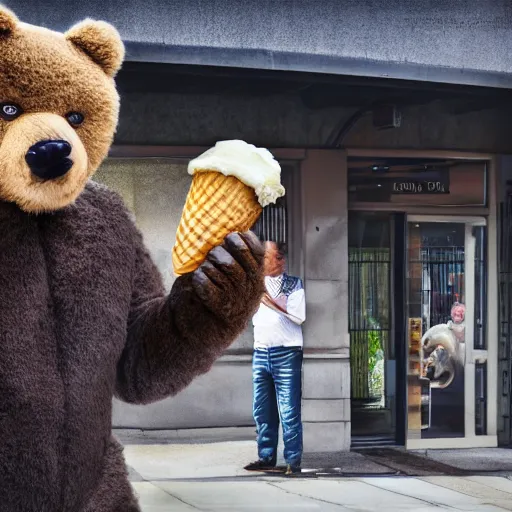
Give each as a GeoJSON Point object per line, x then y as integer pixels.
{"type": "Point", "coordinates": [277, 364]}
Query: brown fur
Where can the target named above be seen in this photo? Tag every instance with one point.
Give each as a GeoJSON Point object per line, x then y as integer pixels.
{"type": "Point", "coordinates": [100, 41]}
{"type": "Point", "coordinates": [8, 21]}
{"type": "Point", "coordinates": [83, 314]}
{"type": "Point", "coordinates": [50, 74]}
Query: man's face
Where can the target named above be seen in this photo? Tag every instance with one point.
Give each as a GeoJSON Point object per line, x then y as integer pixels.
{"type": "Point", "coordinates": [458, 314]}
{"type": "Point", "coordinates": [274, 262]}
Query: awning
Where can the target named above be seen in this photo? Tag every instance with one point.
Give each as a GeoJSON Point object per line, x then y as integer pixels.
{"type": "Point", "coordinates": [313, 63]}
{"type": "Point", "coordinates": [459, 42]}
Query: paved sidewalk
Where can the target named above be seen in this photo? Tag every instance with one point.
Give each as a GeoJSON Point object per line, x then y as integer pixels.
{"type": "Point", "coordinates": [382, 494]}
{"type": "Point", "coordinates": [209, 477]}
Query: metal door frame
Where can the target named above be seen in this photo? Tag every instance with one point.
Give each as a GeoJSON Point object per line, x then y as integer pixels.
{"type": "Point", "coordinates": [473, 356]}
{"type": "Point", "coordinates": [505, 315]}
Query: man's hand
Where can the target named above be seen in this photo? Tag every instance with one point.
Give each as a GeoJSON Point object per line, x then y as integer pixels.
{"type": "Point", "coordinates": [279, 305]}
{"type": "Point", "coordinates": [282, 302]}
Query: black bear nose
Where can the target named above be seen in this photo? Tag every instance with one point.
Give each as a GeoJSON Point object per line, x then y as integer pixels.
{"type": "Point", "coordinates": [48, 159]}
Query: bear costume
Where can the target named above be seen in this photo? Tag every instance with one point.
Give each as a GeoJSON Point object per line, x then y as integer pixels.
{"type": "Point", "coordinates": [83, 312]}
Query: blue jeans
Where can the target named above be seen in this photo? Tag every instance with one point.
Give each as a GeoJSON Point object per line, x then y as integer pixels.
{"type": "Point", "coordinates": [277, 379]}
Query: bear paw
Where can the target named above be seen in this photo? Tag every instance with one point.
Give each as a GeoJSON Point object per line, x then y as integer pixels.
{"type": "Point", "coordinates": [230, 281]}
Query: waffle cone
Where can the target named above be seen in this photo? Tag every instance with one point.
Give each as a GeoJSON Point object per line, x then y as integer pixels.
{"type": "Point", "coordinates": [216, 206]}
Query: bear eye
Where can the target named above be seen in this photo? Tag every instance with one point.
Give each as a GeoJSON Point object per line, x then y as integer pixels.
{"type": "Point", "coordinates": [10, 111]}
{"type": "Point", "coordinates": [75, 118]}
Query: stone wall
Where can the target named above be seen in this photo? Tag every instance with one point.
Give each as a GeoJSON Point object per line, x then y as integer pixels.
{"type": "Point", "coordinates": [326, 389]}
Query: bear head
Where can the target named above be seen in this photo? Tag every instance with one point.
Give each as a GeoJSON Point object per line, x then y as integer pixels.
{"type": "Point", "coordinates": [58, 109]}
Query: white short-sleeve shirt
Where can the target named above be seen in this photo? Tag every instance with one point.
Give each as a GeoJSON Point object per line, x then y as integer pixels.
{"type": "Point", "coordinates": [272, 329]}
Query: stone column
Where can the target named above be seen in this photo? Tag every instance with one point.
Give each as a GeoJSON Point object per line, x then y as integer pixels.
{"type": "Point", "coordinates": [326, 377]}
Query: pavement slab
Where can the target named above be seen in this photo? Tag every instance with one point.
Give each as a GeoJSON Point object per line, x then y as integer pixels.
{"type": "Point", "coordinates": [442, 491]}
{"type": "Point", "coordinates": [354, 494]}
{"type": "Point", "coordinates": [495, 482]}
{"type": "Point", "coordinates": [244, 497]}
{"type": "Point", "coordinates": [164, 462]}
{"type": "Point", "coordinates": [153, 499]}
{"type": "Point", "coordinates": [479, 490]}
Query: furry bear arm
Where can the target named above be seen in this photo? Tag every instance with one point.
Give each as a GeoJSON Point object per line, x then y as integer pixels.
{"type": "Point", "coordinates": [172, 339]}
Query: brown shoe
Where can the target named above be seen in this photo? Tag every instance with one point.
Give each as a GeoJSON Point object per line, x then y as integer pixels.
{"type": "Point", "coordinates": [292, 470]}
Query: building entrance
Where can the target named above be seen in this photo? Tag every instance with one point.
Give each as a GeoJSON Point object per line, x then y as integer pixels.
{"type": "Point", "coordinates": [418, 302]}
{"type": "Point", "coordinates": [417, 289]}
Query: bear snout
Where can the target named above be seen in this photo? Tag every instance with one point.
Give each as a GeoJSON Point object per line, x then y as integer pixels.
{"type": "Point", "coordinates": [49, 159]}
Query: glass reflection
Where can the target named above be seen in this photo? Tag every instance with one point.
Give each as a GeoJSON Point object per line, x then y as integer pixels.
{"type": "Point", "coordinates": [437, 315]}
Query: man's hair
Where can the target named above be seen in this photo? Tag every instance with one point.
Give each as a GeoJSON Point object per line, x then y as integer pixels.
{"type": "Point", "coordinates": [281, 247]}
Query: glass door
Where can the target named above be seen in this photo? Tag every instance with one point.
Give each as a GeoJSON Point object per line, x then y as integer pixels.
{"type": "Point", "coordinates": [372, 351]}
{"type": "Point", "coordinates": [446, 279]}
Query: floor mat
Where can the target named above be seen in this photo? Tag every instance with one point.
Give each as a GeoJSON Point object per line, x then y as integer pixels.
{"type": "Point", "coordinates": [409, 464]}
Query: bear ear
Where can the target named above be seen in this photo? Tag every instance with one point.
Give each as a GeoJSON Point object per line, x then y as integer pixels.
{"type": "Point", "coordinates": [8, 21]}
{"type": "Point", "coordinates": [101, 42]}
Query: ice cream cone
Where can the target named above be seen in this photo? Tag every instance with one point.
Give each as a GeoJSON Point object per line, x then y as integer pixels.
{"type": "Point", "coordinates": [231, 184]}
{"type": "Point", "coordinates": [216, 205]}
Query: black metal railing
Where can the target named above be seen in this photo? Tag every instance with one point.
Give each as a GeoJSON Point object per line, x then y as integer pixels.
{"type": "Point", "coordinates": [273, 222]}
{"type": "Point", "coordinates": [442, 282]}
{"type": "Point", "coordinates": [369, 320]}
